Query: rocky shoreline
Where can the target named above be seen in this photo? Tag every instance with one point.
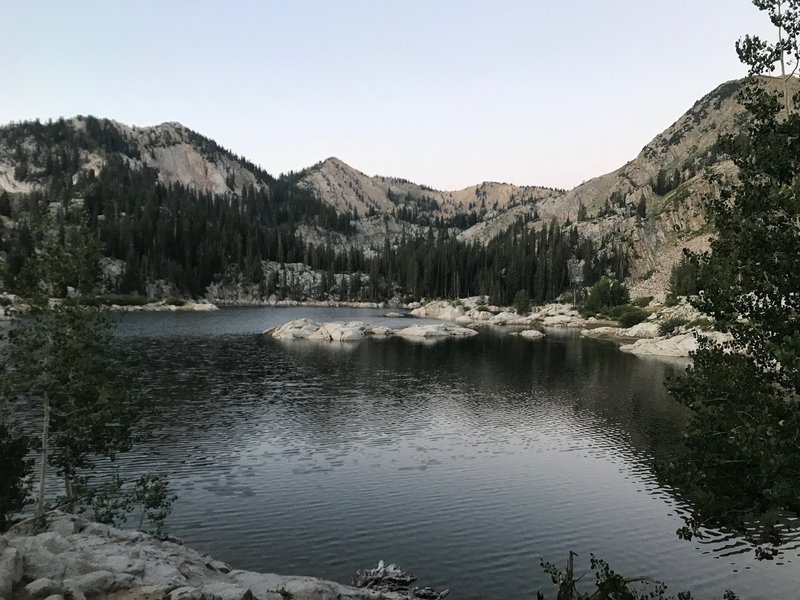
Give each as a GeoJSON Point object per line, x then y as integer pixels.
{"type": "Point", "coordinates": [469, 314]}
{"type": "Point", "coordinates": [668, 332]}
{"type": "Point", "coordinates": [76, 559]}
{"type": "Point", "coordinates": [644, 339]}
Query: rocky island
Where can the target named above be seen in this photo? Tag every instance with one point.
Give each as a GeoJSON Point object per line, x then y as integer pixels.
{"type": "Point", "coordinates": [338, 331]}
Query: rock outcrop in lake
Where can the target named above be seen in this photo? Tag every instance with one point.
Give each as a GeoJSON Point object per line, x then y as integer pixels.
{"type": "Point", "coordinates": [531, 334]}
{"type": "Point", "coordinates": [472, 311]}
{"type": "Point", "coordinates": [351, 331]}
{"type": "Point", "coordinates": [77, 559]}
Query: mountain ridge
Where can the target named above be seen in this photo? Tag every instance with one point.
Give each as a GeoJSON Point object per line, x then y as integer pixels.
{"type": "Point", "coordinates": [652, 206]}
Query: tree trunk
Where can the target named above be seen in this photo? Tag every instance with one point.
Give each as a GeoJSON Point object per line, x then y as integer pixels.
{"type": "Point", "coordinates": [43, 466]}
{"type": "Point", "coordinates": [70, 500]}
{"type": "Point", "coordinates": [787, 100]}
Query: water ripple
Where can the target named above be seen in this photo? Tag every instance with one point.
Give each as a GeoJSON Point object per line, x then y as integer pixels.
{"type": "Point", "coordinates": [465, 461]}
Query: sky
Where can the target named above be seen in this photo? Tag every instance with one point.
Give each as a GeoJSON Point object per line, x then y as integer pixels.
{"type": "Point", "coordinates": [447, 93]}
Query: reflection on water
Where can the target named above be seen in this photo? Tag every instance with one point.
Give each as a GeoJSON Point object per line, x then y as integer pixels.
{"type": "Point", "coordinates": [465, 461]}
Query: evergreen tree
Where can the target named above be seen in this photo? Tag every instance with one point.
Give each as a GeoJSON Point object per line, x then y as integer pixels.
{"type": "Point", "coordinates": [62, 356]}
{"type": "Point", "coordinates": [641, 209]}
{"type": "Point", "coordinates": [742, 451]}
{"type": "Point", "coordinates": [522, 303]}
{"type": "Point", "coordinates": [15, 468]}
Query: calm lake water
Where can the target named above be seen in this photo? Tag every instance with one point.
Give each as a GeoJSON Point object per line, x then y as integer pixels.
{"type": "Point", "coordinates": [464, 461]}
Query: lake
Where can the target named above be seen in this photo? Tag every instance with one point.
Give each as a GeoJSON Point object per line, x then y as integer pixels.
{"type": "Point", "coordinates": [465, 461]}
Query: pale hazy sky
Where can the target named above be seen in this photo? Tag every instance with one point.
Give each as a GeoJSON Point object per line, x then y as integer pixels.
{"type": "Point", "coordinates": [443, 92]}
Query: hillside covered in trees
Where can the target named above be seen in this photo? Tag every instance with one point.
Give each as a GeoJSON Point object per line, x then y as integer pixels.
{"type": "Point", "coordinates": [176, 213]}
{"type": "Point", "coordinates": [157, 226]}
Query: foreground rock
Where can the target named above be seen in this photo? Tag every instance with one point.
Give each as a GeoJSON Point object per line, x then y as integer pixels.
{"type": "Point", "coordinates": [350, 331]}
{"type": "Point", "coordinates": [77, 559]}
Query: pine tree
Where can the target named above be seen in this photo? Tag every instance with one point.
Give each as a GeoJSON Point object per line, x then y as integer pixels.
{"type": "Point", "coordinates": [62, 356]}
{"type": "Point", "coordinates": [742, 450]}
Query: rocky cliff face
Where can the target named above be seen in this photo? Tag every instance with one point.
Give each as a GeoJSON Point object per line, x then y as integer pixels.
{"type": "Point", "coordinates": [176, 153]}
{"type": "Point", "coordinates": [671, 178]}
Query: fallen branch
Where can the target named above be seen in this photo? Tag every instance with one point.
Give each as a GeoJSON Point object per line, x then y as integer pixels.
{"type": "Point", "coordinates": [392, 578]}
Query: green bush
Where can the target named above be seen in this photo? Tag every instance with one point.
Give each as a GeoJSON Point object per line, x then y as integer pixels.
{"type": "Point", "coordinates": [642, 301]}
{"type": "Point", "coordinates": [605, 293]}
{"type": "Point", "coordinates": [670, 325]}
{"type": "Point", "coordinates": [175, 301]}
{"type": "Point", "coordinates": [4, 301]}
{"type": "Point", "coordinates": [629, 315]}
{"type": "Point", "coordinates": [671, 300]}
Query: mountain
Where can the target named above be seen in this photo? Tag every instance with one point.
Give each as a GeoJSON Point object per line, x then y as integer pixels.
{"type": "Point", "coordinates": [388, 206]}
{"type": "Point", "coordinates": [28, 152]}
{"type": "Point", "coordinates": [176, 208]}
{"type": "Point", "coordinates": [654, 203]}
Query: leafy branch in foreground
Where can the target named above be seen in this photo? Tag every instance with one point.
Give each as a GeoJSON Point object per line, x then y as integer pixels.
{"type": "Point", "coordinates": [114, 501]}
{"type": "Point", "coordinates": [608, 584]}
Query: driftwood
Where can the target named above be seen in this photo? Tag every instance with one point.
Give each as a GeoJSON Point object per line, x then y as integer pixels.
{"type": "Point", "coordinates": [391, 578]}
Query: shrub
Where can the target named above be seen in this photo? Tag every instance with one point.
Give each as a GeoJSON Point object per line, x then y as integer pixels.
{"type": "Point", "coordinates": [175, 301]}
{"type": "Point", "coordinates": [670, 325]}
{"type": "Point", "coordinates": [630, 315]}
{"type": "Point", "coordinates": [703, 323]}
{"type": "Point", "coordinates": [642, 301]}
{"type": "Point", "coordinates": [606, 293]}
{"type": "Point", "coordinates": [671, 300]}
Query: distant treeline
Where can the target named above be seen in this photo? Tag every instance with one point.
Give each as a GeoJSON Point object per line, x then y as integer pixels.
{"type": "Point", "coordinates": [190, 238]}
